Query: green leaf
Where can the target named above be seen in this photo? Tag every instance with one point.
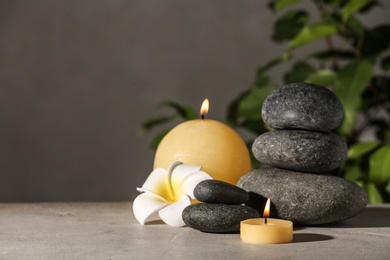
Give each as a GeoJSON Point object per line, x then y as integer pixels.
{"type": "Point", "coordinates": [256, 126]}
{"type": "Point", "coordinates": [380, 166]}
{"type": "Point", "coordinates": [360, 183]}
{"type": "Point", "coordinates": [334, 54]}
{"type": "Point", "coordinates": [232, 115]}
{"type": "Point", "coordinates": [377, 95]}
{"type": "Point", "coordinates": [357, 150]}
{"type": "Point", "coordinates": [313, 32]}
{"type": "Point", "coordinates": [231, 112]}
{"type": "Point", "coordinates": [382, 130]}
{"type": "Point", "coordinates": [287, 26]}
{"type": "Point", "coordinates": [155, 121]}
{"type": "Point", "coordinates": [376, 41]}
{"type": "Point", "coordinates": [387, 188]}
{"type": "Point", "coordinates": [250, 106]}
{"type": "Point", "coordinates": [351, 82]}
{"type": "Point", "coordinates": [334, 3]}
{"type": "Point", "coordinates": [386, 137]}
{"type": "Point", "coordinates": [278, 5]}
{"type": "Point", "coordinates": [157, 138]}
{"type": "Point", "coordinates": [369, 6]}
{"type": "Point", "coordinates": [299, 72]}
{"type": "Point", "coordinates": [260, 81]}
{"type": "Point", "coordinates": [352, 7]}
{"type": "Point", "coordinates": [385, 63]}
{"type": "Point", "coordinates": [353, 173]}
{"type": "Point", "coordinates": [245, 110]}
{"type": "Point", "coordinates": [322, 77]}
{"type": "Point", "coordinates": [382, 84]}
{"type": "Point", "coordinates": [272, 63]}
{"type": "Point", "coordinates": [189, 113]}
{"type": "Point", "coordinates": [373, 194]}
{"type": "Point", "coordinates": [355, 27]}
{"type": "Point", "coordinates": [183, 111]}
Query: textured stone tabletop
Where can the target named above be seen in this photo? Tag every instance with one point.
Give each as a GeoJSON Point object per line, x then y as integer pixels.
{"type": "Point", "coordinates": [109, 231]}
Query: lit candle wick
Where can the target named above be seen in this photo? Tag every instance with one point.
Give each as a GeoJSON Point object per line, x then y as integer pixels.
{"type": "Point", "coordinates": [204, 108]}
{"type": "Point", "coordinates": [266, 212]}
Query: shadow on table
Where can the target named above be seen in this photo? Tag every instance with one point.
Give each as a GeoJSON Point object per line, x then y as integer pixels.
{"type": "Point", "coordinates": [368, 218]}
{"type": "Point", "coordinates": [155, 222]}
{"type": "Point", "coordinates": [309, 237]}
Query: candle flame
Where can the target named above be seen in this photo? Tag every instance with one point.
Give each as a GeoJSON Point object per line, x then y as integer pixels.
{"type": "Point", "coordinates": [204, 108]}
{"type": "Point", "coordinates": [266, 212]}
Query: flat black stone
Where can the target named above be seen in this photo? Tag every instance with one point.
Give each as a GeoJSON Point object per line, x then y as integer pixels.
{"type": "Point", "coordinates": [217, 218]}
{"type": "Point", "coordinates": [215, 191]}
{"type": "Point", "coordinates": [300, 150]}
{"type": "Point", "coordinates": [305, 199]}
{"type": "Point", "coordinates": [303, 106]}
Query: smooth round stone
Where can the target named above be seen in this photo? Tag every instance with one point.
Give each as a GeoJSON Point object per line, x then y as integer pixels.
{"type": "Point", "coordinates": [217, 218]}
{"type": "Point", "coordinates": [300, 150]}
{"type": "Point", "coordinates": [215, 191]}
{"type": "Point", "coordinates": [303, 106]}
{"type": "Point", "coordinates": [305, 199]}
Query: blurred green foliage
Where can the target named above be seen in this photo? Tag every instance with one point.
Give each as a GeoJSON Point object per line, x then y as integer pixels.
{"type": "Point", "coordinates": [356, 69]}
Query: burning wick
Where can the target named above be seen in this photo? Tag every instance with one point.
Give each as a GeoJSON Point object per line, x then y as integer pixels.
{"type": "Point", "coordinates": [266, 211]}
{"type": "Point", "coordinates": [204, 108]}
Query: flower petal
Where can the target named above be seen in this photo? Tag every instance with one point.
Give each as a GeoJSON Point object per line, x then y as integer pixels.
{"type": "Point", "coordinates": [173, 166]}
{"type": "Point", "coordinates": [179, 174]}
{"type": "Point", "coordinates": [171, 214]}
{"type": "Point", "coordinates": [158, 183]}
{"type": "Point", "coordinates": [189, 183]}
{"type": "Point", "coordinates": [146, 206]}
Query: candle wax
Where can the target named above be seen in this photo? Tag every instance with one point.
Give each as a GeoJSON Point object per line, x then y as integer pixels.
{"type": "Point", "coordinates": [276, 231]}
{"type": "Point", "coordinates": [211, 144]}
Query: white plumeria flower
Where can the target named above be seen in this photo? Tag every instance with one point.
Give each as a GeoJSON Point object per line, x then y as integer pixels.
{"type": "Point", "coordinates": [166, 193]}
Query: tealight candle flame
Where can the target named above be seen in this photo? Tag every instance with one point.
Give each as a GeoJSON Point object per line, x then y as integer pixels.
{"type": "Point", "coordinates": [204, 108]}
{"type": "Point", "coordinates": [266, 212]}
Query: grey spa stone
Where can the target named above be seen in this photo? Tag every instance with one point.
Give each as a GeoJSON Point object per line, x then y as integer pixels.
{"type": "Point", "coordinates": [217, 218]}
{"type": "Point", "coordinates": [215, 191]}
{"type": "Point", "coordinates": [300, 150]}
{"type": "Point", "coordinates": [305, 199]}
{"type": "Point", "coordinates": [303, 106]}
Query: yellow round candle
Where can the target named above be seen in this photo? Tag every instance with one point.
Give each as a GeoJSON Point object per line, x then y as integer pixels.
{"type": "Point", "coordinates": [276, 231]}
{"type": "Point", "coordinates": [211, 144]}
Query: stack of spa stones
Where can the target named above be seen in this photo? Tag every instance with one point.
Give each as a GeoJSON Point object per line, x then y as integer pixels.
{"type": "Point", "coordinates": [299, 155]}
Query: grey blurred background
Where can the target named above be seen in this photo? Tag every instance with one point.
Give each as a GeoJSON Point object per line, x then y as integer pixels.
{"type": "Point", "coordinates": [78, 77]}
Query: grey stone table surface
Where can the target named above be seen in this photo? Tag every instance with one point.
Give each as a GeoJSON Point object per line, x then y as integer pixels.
{"type": "Point", "coordinates": [109, 231]}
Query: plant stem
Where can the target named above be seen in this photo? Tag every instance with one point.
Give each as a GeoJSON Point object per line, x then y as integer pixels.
{"type": "Point", "coordinates": [328, 40]}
